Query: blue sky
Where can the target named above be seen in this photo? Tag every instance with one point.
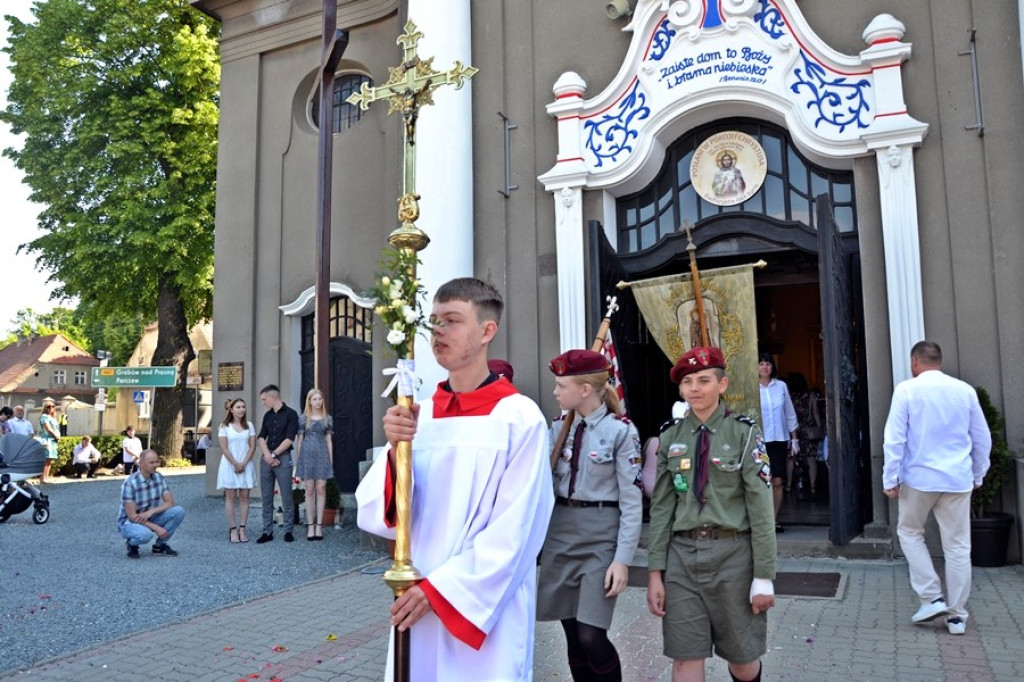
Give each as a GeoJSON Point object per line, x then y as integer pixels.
{"type": "Point", "coordinates": [21, 285]}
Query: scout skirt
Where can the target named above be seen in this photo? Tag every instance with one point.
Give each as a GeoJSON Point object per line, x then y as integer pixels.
{"type": "Point", "coordinates": [579, 548]}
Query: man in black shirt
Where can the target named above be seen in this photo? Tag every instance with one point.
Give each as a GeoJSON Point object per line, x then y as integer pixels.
{"type": "Point", "coordinates": [280, 426]}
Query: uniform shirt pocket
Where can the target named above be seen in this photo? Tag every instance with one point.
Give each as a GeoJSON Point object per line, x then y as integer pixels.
{"type": "Point", "coordinates": [601, 456]}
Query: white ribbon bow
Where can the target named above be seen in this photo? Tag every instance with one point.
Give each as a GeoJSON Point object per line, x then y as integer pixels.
{"type": "Point", "coordinates": [403, 375]}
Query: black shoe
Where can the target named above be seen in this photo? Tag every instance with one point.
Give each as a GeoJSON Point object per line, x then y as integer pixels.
{"type": "Point", "coordinates": [266, 537]}
{"type": "Point", "coordinates": [133, 550]}
{"type": "Point", "coordinates": [779, 528]}
{"type": "Point", "coordinates": [288, 537]}
{"type": "Point", "coordinates": [164, 549]}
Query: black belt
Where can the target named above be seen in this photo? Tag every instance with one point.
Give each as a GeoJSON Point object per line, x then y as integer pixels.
{"type": "Point", "coordinates": [565, 502]}
{"type": "Point", "coordinates": [711, 533]}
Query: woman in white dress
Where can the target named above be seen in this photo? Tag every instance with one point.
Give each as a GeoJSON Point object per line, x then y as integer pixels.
{"type": "Point", "coordinates": [236, 476]}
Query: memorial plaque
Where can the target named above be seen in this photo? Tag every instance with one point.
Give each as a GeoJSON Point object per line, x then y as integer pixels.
{"type": "Point", "coordinates": [230, 376]}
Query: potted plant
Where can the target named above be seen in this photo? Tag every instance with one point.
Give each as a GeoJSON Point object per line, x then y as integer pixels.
{"type": "Point", "coordinates": [990, 530]}
{"type": "Point", "coordinates": [332, 502]}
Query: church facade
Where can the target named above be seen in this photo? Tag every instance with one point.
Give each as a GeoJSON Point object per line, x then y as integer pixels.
{"type": "Point", "coordinates": [881, 192]}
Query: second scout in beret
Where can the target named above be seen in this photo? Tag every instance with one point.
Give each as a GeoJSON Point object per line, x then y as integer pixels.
{"type": "Point", "coordinates": [501, 368]}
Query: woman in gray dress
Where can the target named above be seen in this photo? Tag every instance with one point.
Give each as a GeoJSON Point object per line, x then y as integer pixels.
{"type": "Point", "coordinates": [313, 459]}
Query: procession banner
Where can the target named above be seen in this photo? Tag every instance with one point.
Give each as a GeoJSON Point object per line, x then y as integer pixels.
{"type": "Point", "coordinates": [670, 311]}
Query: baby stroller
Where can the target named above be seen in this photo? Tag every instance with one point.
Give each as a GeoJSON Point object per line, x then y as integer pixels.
{"type": "Point", "coordinates": [23, 457]}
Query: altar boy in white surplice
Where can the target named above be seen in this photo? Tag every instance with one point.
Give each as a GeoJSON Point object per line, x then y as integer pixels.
{"type": "Point", "coordinates": [481, 501]}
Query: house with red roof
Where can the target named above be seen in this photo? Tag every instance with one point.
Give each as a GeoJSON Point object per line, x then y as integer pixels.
{"type": "Point", "coordinates": [39, 367]}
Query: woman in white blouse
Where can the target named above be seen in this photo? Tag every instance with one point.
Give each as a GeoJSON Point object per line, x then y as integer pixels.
{"type": "Point", "coordinates": [778, 421]}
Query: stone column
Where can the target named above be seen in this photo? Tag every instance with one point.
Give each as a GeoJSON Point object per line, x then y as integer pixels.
{"type": "Point", "coordinates": [444, 164]}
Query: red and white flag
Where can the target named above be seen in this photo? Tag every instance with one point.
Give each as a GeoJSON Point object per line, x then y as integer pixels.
{"type": "Point", "coordinates": [608, 350]}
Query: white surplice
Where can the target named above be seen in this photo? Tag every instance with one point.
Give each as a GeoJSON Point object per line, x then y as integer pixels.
{"type": "Point", "coordinates": [482, 498]}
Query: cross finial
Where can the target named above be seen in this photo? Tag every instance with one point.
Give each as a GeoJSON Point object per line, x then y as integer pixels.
{"type": "Point", "coordinates": [410, 87]}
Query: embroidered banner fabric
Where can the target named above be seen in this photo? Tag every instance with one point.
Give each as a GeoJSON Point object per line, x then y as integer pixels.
{"type": "Point", "coordinates": [670, 311]}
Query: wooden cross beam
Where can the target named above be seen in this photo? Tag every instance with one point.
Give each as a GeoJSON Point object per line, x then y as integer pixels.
{"type": "Point", "coordinates": [333, 47]}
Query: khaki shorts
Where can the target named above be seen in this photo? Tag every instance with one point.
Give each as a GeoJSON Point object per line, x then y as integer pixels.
{"type": "Point", "coordinates": [707, 601]}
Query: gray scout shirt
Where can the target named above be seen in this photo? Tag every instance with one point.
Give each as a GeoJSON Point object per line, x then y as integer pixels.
{"type": "Point", "coordinates": [609, 467]}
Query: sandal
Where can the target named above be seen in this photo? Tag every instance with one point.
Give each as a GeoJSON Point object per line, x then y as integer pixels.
{"type": "Point", "coordinates": [311, 531]}
{"type": "Point", "coordinates": [319, 535]}
{"type": "Point", "coordinates": [242, 535]}
{"type": "Point", "coordinates": [233, 535]}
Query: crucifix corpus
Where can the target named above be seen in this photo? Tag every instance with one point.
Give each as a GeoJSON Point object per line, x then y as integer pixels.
{"type": "Point", "coordinates": [409, 87]}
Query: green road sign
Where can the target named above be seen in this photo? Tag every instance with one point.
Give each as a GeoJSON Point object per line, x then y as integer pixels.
{"type": "Point", "coordinates": [156, 377]}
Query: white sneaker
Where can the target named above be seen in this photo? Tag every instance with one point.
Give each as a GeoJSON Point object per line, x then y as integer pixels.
{"type": "Point", "coordinates": [956, 626]}
{"type": "Point", "coordinates": [929, 612]}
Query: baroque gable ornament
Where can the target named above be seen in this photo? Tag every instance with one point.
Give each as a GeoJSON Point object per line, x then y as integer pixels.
{"type": "Point", "coordinates": [756, 58]}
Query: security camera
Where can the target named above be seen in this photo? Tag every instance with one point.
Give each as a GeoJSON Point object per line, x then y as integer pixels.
{"type": "Point", "coordinates": [616, 9]}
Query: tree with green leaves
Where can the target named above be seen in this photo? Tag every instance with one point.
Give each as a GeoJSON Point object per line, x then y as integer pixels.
{"type": "Point", "coordinates": [117, 102]}
{"type": "Point", "coordinates": [58, 321]}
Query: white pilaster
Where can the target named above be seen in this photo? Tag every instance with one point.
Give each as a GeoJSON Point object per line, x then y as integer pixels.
{"type": "Point", "coordinates": [572, 313]}
{"type": "Point", "coordinates": [898, 195]}
{"type": "Point", "coordinates": [565, 182]}
{"type": "Point", "coordinates": [444, 163]}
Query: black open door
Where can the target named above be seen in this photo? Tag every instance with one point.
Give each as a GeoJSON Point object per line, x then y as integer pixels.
{"type": "Point", "coordinates": [837, 322]}
{"type": "Point", "coordinates": [642, 366]}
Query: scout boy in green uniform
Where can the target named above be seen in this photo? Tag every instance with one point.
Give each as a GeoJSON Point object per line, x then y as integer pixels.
{"type": "Point", "coordinates": [712, 533]}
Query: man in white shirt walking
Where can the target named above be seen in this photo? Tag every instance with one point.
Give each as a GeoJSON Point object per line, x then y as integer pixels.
{"type": "Point", "coordinates": [936, 452]}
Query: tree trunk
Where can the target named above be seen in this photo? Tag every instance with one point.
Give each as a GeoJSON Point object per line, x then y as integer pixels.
{"type": "Point", "coordinates": [173, 348]}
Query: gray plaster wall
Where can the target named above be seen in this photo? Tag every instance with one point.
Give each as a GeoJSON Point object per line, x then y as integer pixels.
{"type": "Point", "coordinates": [969, 203]}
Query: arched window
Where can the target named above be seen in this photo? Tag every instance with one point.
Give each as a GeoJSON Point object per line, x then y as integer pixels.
{"type": "Point", "coordinates": [344, 115]}
{"type": "Point", "coordinates": [787, 195]}
{"type": "Point", "coordinates": [345, 320]}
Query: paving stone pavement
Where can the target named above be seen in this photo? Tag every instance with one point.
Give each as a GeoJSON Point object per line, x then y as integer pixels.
{"type": "Point", "coordinates": [336, 630]}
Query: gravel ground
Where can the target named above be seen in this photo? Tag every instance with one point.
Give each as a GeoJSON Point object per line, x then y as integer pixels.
{"type": "Point", "coordinates": [67, 585]}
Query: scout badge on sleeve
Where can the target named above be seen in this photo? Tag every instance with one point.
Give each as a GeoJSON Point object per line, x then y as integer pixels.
{"type": "Point", "coordinates": [760, 456]}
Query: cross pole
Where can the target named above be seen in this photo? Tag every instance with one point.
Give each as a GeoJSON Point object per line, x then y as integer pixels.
{"type": "Point", "coordinates": [409, 87]}
{"type": "Point", "coordinates": [334, 44]}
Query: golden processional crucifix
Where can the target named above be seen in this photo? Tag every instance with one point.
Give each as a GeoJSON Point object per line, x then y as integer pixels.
{"type": "Point", "coordinates": [410, 86]}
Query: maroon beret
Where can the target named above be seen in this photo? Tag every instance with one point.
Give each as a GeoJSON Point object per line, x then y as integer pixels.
{"type": "Point", "coordinates": [573, 362]}
{"type": "Point", "coordinates": [695, 360]}
{"type": "Point", "coordinates": [501, 368]}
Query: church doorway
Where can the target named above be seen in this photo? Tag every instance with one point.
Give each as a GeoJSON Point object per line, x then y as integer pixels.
{"type": "Point", "coordinates": [792, 295]}
{"type": "Point", "coordinates": [803, 223]}
{"type": "Point", "coordinates": [350, 395]}
{"type": "Point", "coordinates": [788, 303]}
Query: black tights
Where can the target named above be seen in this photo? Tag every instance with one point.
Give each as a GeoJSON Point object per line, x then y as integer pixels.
{"type": "Point", "coordinates": [592, 656]}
